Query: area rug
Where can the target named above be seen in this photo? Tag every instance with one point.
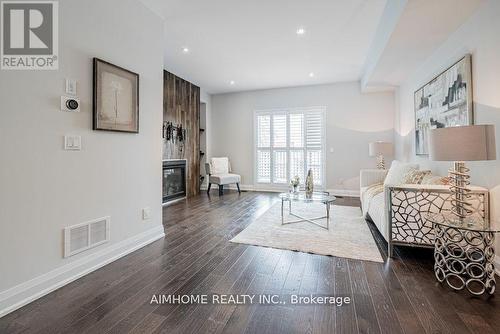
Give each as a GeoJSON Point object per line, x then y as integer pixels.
{"type": "Point", "coordinates": [348, 237]}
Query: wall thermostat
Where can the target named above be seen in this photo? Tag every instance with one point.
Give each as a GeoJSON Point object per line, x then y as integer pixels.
{"type": "Point", "coordinates": [69, 103]}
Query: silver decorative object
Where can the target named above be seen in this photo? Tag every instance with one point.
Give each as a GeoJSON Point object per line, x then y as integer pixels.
{"type": "Point", "coordinates": [309, 184]}
{"type": "Point", "coordinates": [459, 176]}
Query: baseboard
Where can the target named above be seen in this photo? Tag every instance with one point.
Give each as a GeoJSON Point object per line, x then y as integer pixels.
{"type": "Point", "coordinates": [343, 192]}
{"type": "Point", "coordinates": [248, 187]}
{"type": "Point", "coordinates": [25, 293]}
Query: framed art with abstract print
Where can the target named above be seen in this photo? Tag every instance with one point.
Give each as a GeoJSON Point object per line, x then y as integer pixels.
{"type": "Point", "coordinates": [116, 98]}
{"type": "Point", "coordinates": [444, 101]}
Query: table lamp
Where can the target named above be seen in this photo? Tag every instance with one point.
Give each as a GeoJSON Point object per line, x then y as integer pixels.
{"type": "Point", "coordinates": [459, 144]}
{"type": "Point", "coordinates": [379, 149]}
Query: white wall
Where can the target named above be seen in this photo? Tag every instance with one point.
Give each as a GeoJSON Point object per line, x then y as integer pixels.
{"type": "Point", "coordinates": [43, 188]}
{"type": "Point", "coordinates": [480, 37]}
{"type": "Point", "coordinates": [353, 120]}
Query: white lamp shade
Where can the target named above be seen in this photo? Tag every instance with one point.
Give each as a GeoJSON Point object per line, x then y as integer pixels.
{"type": "Point", "coordinates": [463, 143]}
{"type": "Point", "coordinates": [380, 147]}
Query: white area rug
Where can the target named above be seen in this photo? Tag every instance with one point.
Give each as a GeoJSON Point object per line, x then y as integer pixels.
{"type": "Point", "coordinates": [348, 237]}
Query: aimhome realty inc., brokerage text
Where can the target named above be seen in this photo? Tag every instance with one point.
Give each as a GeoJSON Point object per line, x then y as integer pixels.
{"type": "Point", "coordinates": [241, 299]}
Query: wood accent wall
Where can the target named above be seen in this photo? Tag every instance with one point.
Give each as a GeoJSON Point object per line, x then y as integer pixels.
{"type": "Point", "coordinates": [181, 105]}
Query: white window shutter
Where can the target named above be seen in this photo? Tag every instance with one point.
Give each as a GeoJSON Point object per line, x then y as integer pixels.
{"type": "Point", "coordinates": [279, 131]}
{"type": "Point", "coordinates": [297, 130]}
{"type": "Point", "coordinates": [288, 143]}
{"type": "Point", "coordinates": [263, 166]}
{"type": "Point", "coordinates": [280, 167]}
{"type": "Point", "coordinates": [264, 131]}
{"type": "Point", "coordinates": [314, 129]}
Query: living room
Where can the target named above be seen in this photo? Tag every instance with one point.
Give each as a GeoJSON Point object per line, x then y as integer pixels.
{"type": "Point", "coordinates": [249, 167]}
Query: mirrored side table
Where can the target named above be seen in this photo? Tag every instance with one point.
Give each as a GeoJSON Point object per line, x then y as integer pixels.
{"type": "Point", "coordinates": [464, 252]}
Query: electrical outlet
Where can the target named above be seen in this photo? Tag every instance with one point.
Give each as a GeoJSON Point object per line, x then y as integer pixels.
{"type": "Point", "coordinates": [146, 213]}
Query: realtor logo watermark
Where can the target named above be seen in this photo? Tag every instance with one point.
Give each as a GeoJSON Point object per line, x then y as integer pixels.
{"type": "Point", "coordinates": [29, 35]}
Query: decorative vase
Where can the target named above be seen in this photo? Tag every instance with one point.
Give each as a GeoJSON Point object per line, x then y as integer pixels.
{"type": "Point", "coordinates": [309, 184]}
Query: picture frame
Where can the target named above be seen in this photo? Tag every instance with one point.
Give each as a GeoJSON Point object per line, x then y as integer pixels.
{"type": "Point", "coordinates": [444, 101]}
{"type": "Point", "coordinates": [115, 98]}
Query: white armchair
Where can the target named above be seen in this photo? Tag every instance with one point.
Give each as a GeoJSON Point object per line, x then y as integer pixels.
{"type": "Point", "coordinates": [219, 172]}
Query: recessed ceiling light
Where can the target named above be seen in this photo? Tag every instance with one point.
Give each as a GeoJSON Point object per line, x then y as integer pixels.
{"type": "Point", "coordinates": [185, 50]}
{"type": "Point", "coordinates": [301, 31]}
{"type": "Point", "coordinates": [311, 74]}
{"type": "Point", "coordinates": [231, 82]}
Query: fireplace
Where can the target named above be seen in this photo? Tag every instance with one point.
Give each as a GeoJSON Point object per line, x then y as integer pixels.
{"type": "Point", "coordinates": [174, 180]}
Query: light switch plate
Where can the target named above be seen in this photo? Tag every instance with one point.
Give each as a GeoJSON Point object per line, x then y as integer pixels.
{"type": "Point", "coordinates": [72, 143]}
{"type": "Point", "coordinates": [146, 213]}
{"type": "Point", "coordinates": [71, 86]}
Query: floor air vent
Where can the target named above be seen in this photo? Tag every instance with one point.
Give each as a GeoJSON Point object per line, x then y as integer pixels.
{"type": "Point", "coordinates": [78, 238]}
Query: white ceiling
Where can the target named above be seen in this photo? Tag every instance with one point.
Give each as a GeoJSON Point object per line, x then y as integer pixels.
{"type": "Point", "coordinates": [409, 32]}
{"type": "Point", "coordinates": [254, 42]}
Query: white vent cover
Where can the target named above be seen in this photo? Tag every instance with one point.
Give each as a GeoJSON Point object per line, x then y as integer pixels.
{"type": "Point", "coordinates": [78, 238]}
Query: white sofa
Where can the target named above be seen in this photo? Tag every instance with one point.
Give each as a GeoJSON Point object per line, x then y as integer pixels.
{"type": "Point", "coordinates": [398, 211]}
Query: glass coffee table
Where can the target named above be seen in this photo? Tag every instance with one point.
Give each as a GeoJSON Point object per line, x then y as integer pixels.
{"type": "Point", "coordinates": [319, 197]}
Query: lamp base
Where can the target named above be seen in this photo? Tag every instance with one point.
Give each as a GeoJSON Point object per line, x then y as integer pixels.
{"type": "Point", "coordinates": [380, 162]}
{"type": "Point", "coordinates": [459, 176]}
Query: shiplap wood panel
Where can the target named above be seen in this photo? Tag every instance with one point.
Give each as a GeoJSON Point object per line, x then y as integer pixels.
{"type": "Point", "coordinates": [181, 105]}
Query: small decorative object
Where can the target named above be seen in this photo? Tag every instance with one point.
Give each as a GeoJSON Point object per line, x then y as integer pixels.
{"type": "Point", "coordinates": [459, 144]}
{"type": "Point", "coordinates": [309, 184]}
{"type": "Point", "coordinates": [379, 149]}
{"type": "Point", "coordinates": [443, 102]}
{"type": "Point", "coordinates": [116, 98]}
{"type": "Point", "coordinates": [295, 182]}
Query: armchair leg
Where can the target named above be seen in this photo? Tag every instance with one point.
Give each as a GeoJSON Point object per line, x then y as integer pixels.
{"type": "Point", "coordinates": [208, 189]}
{"type": "Point", "coordinates": [238, 185]}
{"type": "Point", "coordinates": [221, 190]}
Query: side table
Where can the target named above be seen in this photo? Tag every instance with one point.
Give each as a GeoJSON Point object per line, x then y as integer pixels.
{"type": "Point", "coordinates": [464, 252]}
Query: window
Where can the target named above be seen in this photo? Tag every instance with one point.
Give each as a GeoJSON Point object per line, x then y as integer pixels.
{"type": "Point", "coordinates": [289, 143]}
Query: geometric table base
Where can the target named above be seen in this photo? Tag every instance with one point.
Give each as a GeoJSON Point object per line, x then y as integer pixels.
{"type": "Point", "coordinates": [464, 259]}
{"type": "Point", "coordinates": [304, 219]}
{"type": "Point", "coordinates": [319, 197]}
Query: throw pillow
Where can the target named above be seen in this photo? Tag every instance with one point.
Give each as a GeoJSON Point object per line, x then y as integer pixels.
{"type": "Point", "coordinates": [397, 172]}
{"type": "Point", "coordinates": [436, 180]}
{"type": "Point", "coordinates": [220, 166]}
{"type": "Point", "coordinates": [415, 176]}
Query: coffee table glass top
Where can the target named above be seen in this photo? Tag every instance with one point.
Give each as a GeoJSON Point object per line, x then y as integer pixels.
{"type": "Point", "coordinates": [470, 223]}
{"type": "Point", "coordinates": [301, 197]}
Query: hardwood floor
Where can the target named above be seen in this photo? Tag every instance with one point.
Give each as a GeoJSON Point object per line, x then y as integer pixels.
{"type": "Point", "coordinates": [398, 296]}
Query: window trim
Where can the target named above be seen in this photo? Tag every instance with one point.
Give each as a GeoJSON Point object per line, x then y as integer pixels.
{"type": "Point", "coordinates": [287, 111]}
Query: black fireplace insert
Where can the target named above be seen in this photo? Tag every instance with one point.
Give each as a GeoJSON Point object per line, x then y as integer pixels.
{"type": "Point", "coordinates": [174, 179]}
